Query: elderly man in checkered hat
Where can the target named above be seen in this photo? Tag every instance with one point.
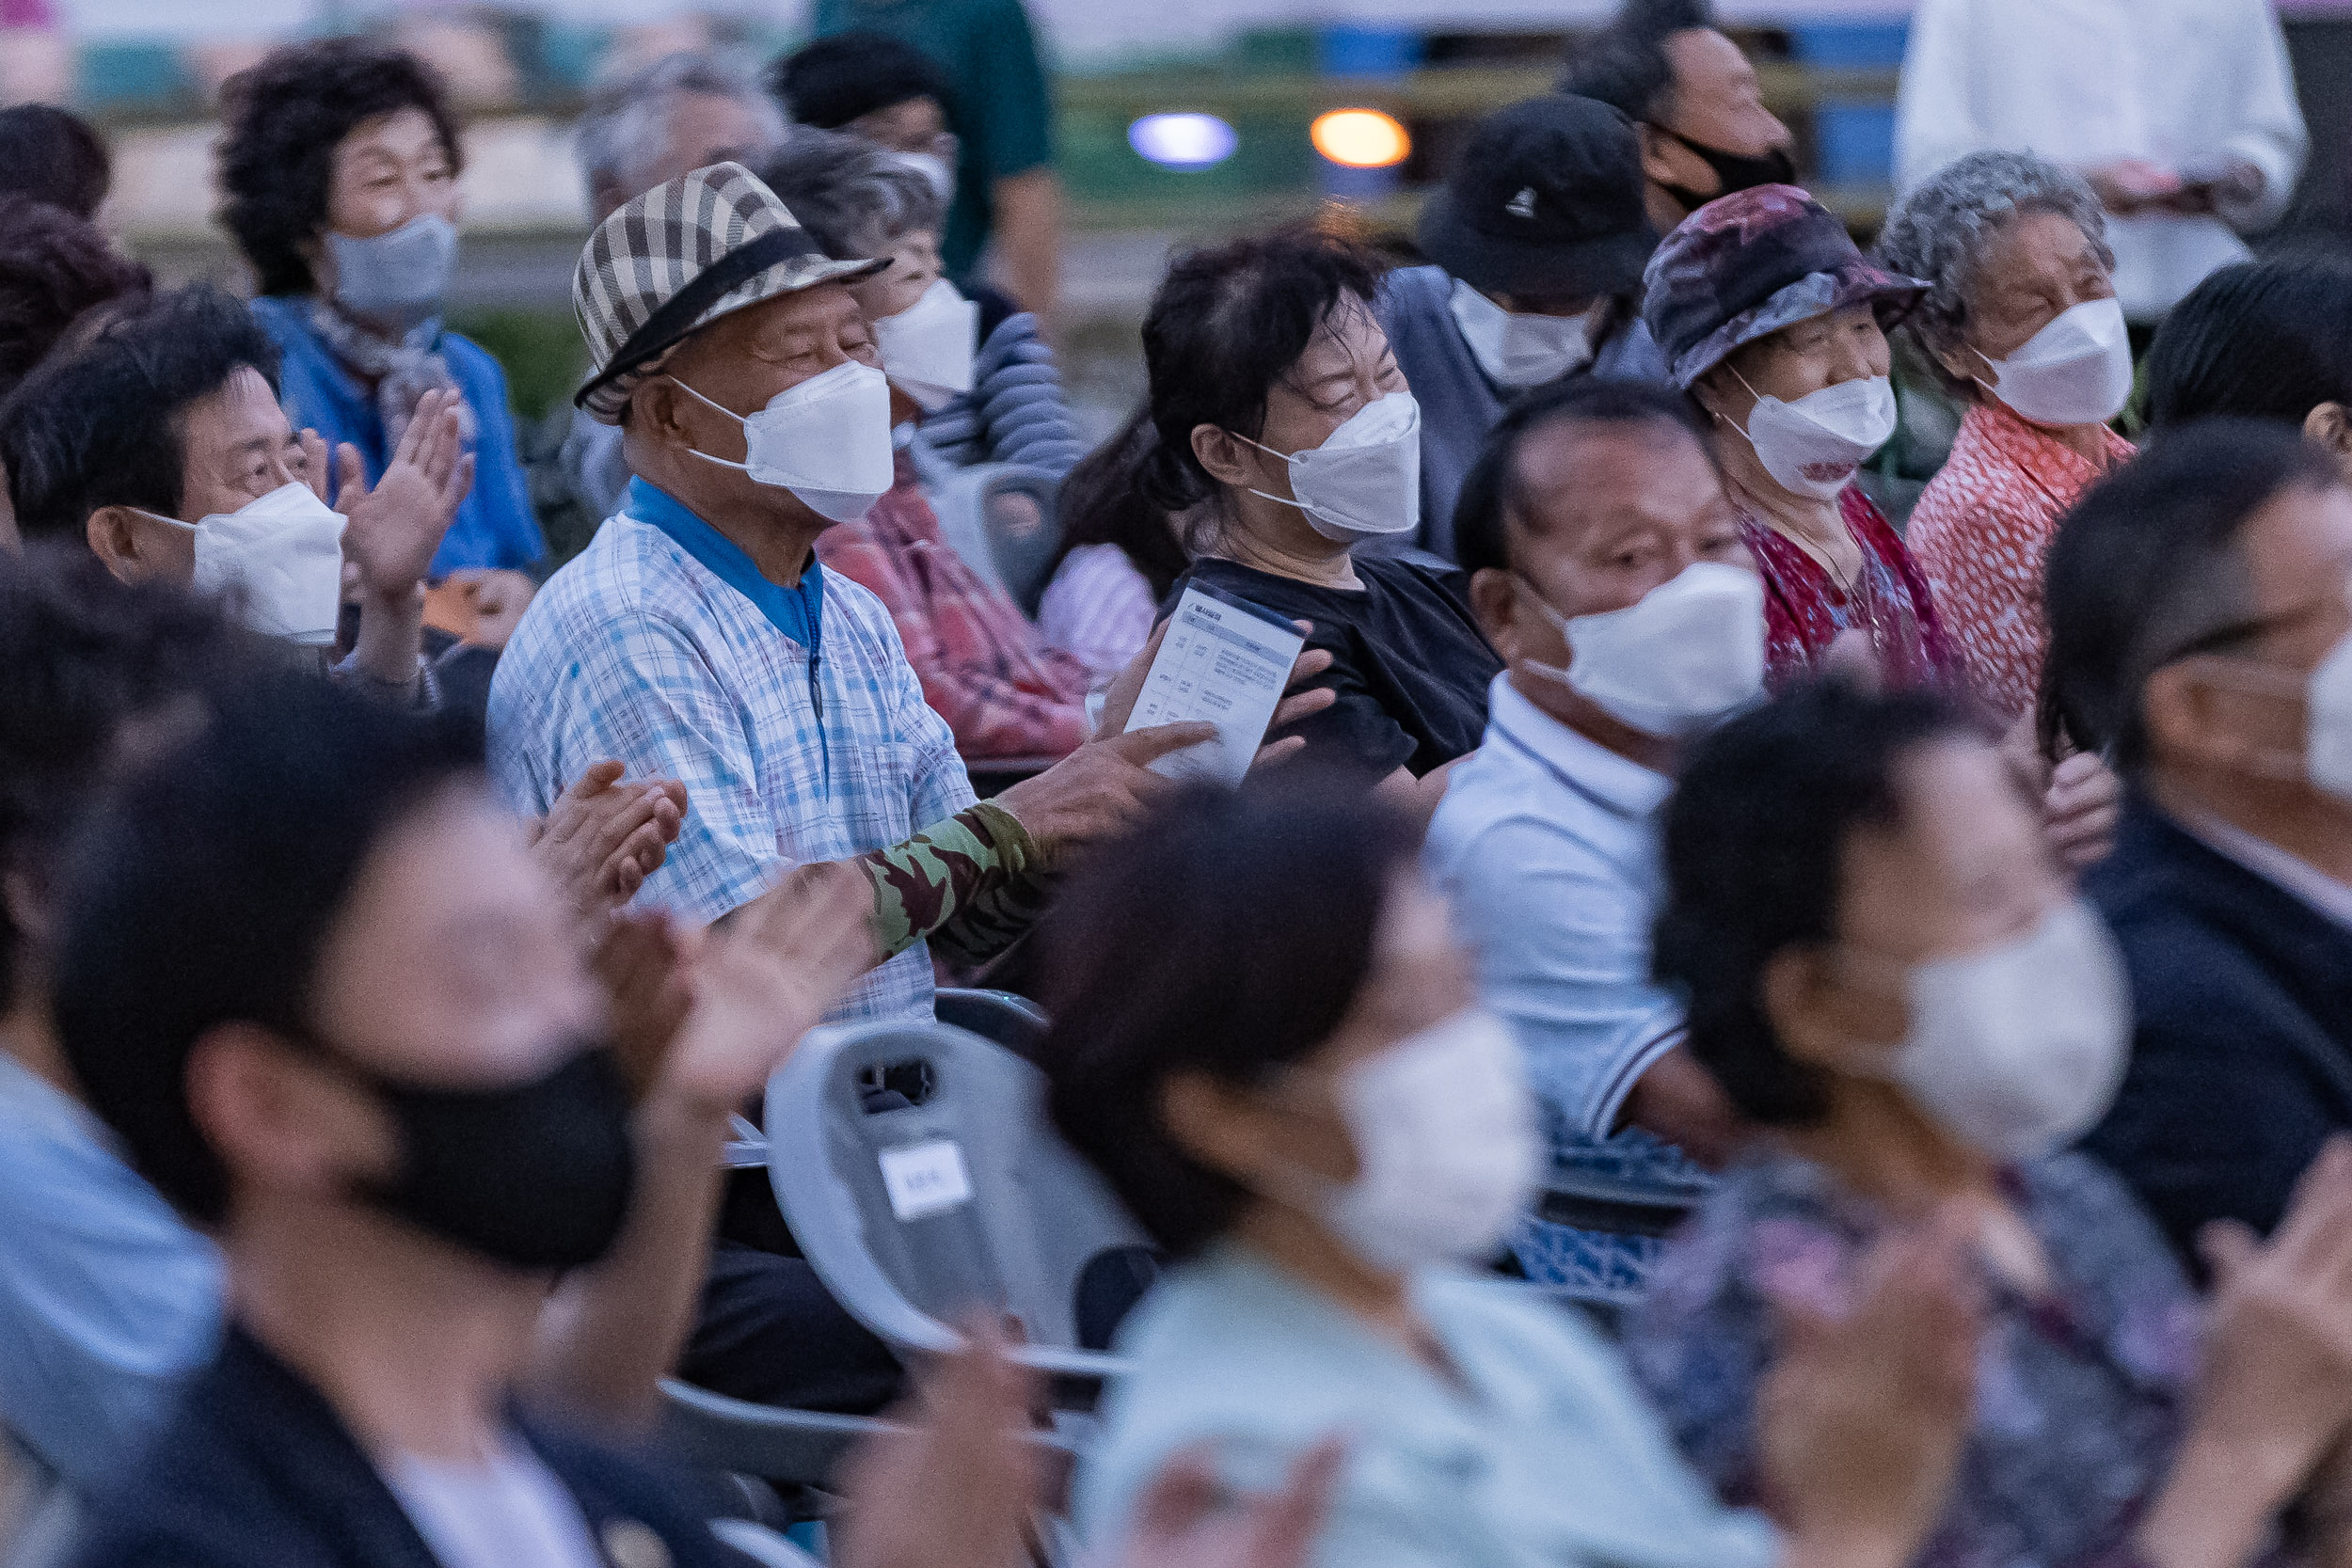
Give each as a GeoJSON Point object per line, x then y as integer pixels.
{"type": "Point", "coordinates": [698, 639]}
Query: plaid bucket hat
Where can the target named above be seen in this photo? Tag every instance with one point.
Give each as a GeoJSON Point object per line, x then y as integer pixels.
{"type": "Point", "coordinates": [675, 259]}
{"type": "Point", "coordinates": [1747, 264]}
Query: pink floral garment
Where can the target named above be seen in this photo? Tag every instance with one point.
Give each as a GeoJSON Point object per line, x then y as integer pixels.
{"type": "Point", "coordinates": [1805, 610]}
{"type": "Point", "coordinates": [1979, 532]}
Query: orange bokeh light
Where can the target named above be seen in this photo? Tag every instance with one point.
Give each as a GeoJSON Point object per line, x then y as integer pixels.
{"type": "Point", "coordinates": [1360, 138]}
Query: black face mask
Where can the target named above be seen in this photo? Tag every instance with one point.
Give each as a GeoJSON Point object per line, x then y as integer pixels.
{"type": "Point", "coordinates": [534, 1176]}
{"type": "Point", "coordinates": [1735, 172]}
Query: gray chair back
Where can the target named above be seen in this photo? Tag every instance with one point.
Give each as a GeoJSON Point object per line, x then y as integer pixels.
{"type": "Point", "coordinates": [956, 1198]}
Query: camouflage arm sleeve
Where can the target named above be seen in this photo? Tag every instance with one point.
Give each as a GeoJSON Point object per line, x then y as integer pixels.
{"type": "Point", "coordinates": [971, 883]}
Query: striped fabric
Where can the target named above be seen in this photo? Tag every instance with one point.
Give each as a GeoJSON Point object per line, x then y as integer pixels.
{"type": "Point", "coordinates": [1016, 411]}
{"type": "Point", "coordinates": [654, 247]}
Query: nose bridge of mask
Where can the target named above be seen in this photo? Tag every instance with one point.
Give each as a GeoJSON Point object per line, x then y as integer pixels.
{"type": "Point", "coordinates": [2076, 332]}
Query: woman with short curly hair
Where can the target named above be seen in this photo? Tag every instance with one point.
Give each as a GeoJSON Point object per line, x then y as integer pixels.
{"type": "Point", "coordinates": [339, 163]}
{"type": "Point", "coordinates": [2022, 324]}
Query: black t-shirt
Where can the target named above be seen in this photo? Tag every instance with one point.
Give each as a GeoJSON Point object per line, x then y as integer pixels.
{"type": "Point", "coordinates": [1408, 659]}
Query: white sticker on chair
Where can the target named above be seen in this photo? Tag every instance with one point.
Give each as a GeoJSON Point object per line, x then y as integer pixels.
{"type": "Point", "coordinates": [926, 1179]}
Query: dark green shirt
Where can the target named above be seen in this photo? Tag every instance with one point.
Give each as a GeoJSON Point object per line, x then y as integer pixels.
{"type": "Point", "coordinates": [1002, 111]}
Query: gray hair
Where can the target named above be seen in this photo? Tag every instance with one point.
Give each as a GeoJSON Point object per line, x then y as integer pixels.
{"type": "Point", "coordinates": [621, 131]}
{"type": "Point", "coordinates": [1939, 230]}
{"type": "Point", "coordinates": [853, 197]}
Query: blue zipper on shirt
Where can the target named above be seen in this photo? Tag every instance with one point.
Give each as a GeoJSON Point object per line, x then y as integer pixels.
{"type": "Point", "coordinates": [650, 504]}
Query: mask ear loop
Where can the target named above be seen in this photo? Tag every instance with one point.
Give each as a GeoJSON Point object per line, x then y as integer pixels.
{"type": "Point", "coordinates": [1557, 673]}
{"type": "Point", "coordinates": [1728, 420]}
{"type": "Point", "coordinates": [723, 463]}
{"type": "Point", "coordinates": [2218, 670]}
{"type": "Point", "coordinates": [1286, 457]}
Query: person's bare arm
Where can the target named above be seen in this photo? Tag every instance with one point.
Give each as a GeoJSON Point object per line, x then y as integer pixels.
{"type": "Point", "coordinates": [699, 1023]}
{"type": "Point", "coordinates": [1027, 234]}
{"type": "Point", "coordinates": [1419, 797]}
{"type": "Point", "coordinates": [1679, 1100]}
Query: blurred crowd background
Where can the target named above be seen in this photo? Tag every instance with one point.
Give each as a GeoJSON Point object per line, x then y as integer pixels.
{"type": "Point", "coordinates": [1263, 72]}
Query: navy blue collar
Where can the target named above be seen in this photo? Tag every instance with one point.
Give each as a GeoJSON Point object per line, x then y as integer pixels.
{"type": "Point", "coordinates": [796, 612]}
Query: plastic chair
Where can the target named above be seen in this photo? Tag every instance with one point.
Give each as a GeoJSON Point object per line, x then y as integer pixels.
{"type": "Point", "coordinates": [1010, 546]}
{"type": "Point", "coordinates": [1012, 1021]}
{"type": "Point", "coordinates": [761, 1544]}
{"type": "Point", "coordinates": [785, 1447]}
{"type": "Point", "coordinates": [1588, 1201]}
{"type": "Point", "coordinates": [957, 1200]}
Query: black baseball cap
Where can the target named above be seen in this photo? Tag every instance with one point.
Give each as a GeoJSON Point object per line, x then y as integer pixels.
{"type": "Point", "coordinates": [1547, 198]}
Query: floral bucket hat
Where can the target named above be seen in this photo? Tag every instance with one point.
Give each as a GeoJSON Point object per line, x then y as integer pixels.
{"type": "Point", "coordinates": [1747, 264]}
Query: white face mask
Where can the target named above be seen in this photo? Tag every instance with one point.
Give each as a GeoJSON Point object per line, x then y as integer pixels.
{"type": "Point", "coordinates": [826, 440]}
{"type": "Point", "coordinates": [1688, 654]}
{"type": "Point", "coordinates": [932, 166]}
{"type": "Point", "coordinates": [1812, 446]}
{"type": "Point", "coordinates": [2076, 371]}
{"type": "Point", "coordinates": [1446, 1147]}
{"type": "Point", "coordinates": [1364, 481]}
{"type": "Point", "coordinates": [401, 275]}
{"type": "Point", "coordinates": [2327, 724]}
{"type": "Point", "coordinates": [1520, 350]}
{"type": "Point", "coordinates": [2019, 1050]}
{"type": "Point", "coordinates": [927, 348]}
{"type": "Point", "coordinates": [285, 550]}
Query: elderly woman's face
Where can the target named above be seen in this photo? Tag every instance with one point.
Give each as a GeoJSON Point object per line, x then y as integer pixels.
{"type": "Point", "coordinates": [915, 266]}
{"type": "Point", "coordinates": [2037, 267]}
{"type": "Point", "coordinates": [1962, 867]}
{"type": "Point", "coordinates": [1347, 364]}
{"type": "Point", "coordinates": [1799, 359]}
{"type": "Point", "coordinates": [387, 171]}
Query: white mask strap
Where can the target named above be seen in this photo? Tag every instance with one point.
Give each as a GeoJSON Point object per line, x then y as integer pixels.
{"type": "Point", "coordinates": [723, 463]}
{"type": "Point", "coordinates": [159, 517]}
{"type": "Point", "coordinates": [1286, 457]}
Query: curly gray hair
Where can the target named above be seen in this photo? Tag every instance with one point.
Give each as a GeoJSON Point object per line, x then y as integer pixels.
{"type": "Point", "coordinates": [1940, 229]}
{"type": "Point", "coordinates": [853, 197]}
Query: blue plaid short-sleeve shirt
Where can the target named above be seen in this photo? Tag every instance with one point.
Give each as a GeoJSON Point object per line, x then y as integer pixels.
{"type": "Point", "coordinates": [638, 650]}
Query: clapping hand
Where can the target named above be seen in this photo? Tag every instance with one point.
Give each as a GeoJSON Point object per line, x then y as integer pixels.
{"type": "Point", "coordinates": [763, 980]}
{"type": "Point", "coordinates": [2277, 1382]}
{"type": "Point", "coordinates": [603, 838]}
{"type": "Point", "coordinates": [1187, 1519]}
{"type": "Point", "coordinates": [395, 527]}
{"type": "Point", "coordinates": [1862, 1420]}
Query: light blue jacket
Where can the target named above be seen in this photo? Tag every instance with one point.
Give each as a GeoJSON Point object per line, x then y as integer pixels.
{"type": "Point", "coordinates": [1548, 1457]}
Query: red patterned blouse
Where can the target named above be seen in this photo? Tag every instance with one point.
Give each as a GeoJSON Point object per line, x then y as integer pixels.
{"type": "Point", "coordinates": [1980, 531]}
{"type": "Point", "coordinates": [1805, 610]}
